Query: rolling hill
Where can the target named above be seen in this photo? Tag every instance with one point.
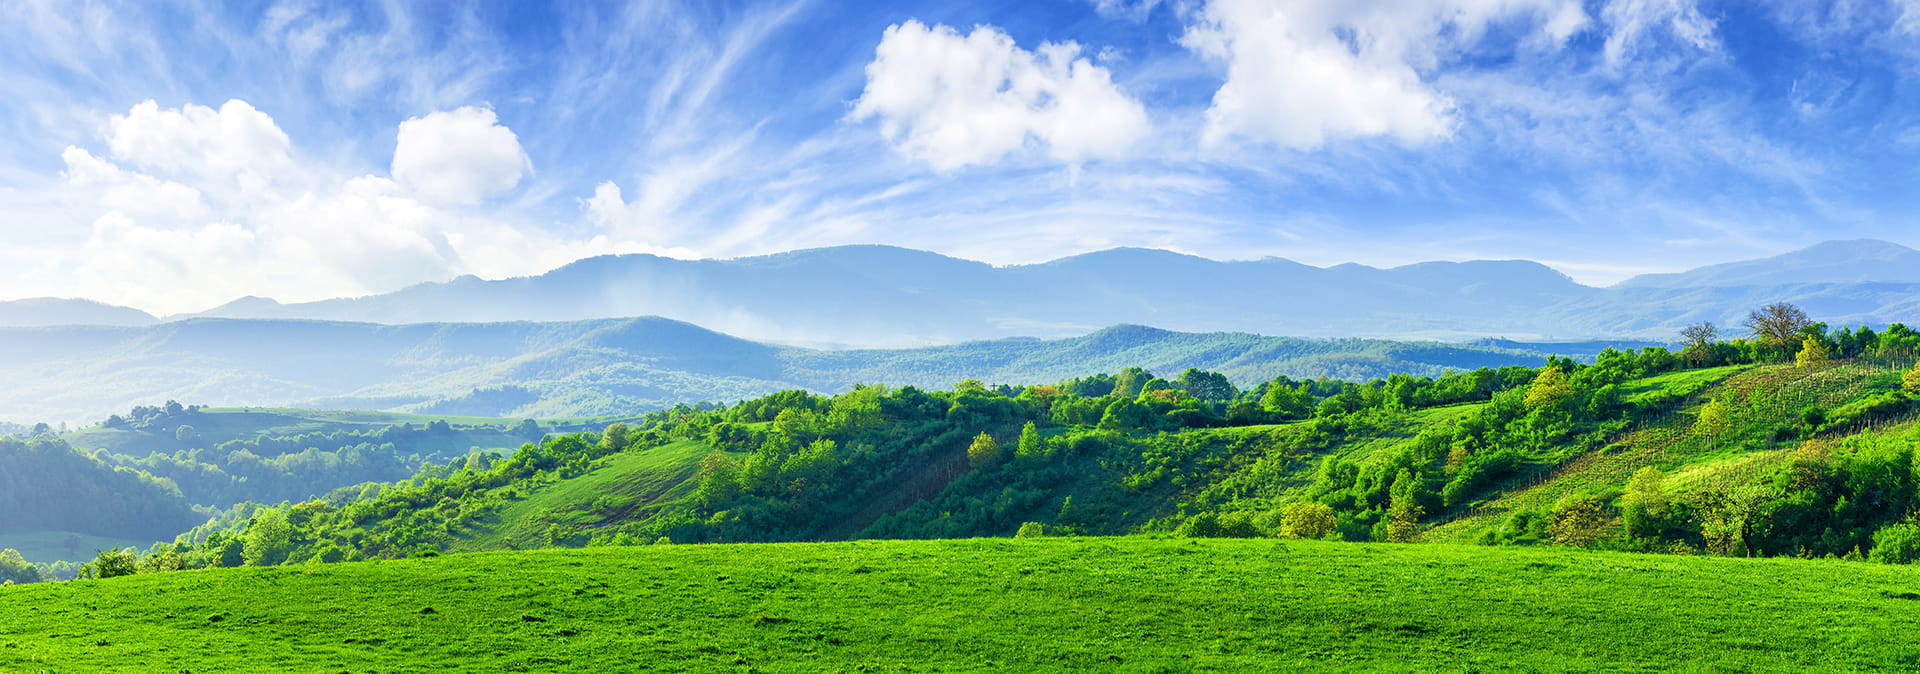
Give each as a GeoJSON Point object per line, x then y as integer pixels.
{"type": "Point", "coordinates": [609, 367]}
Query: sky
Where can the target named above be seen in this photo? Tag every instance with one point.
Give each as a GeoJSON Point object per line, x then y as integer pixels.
{"type": "Point", "coordinates": [173, 156]}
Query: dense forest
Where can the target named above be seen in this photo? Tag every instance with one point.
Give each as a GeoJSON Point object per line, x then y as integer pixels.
{"type": "Point", "coordinates": [1404, 458]}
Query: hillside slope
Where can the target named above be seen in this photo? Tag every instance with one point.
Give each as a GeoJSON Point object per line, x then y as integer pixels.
{"type": "Point", "coordinates": [609, 367]}
{"type": "Point", "coordinates": [1128, 604]}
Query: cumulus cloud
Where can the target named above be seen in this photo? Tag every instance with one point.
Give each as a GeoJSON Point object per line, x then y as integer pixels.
{"type": "Point", "coordinates": [954, 101]}
{"type": "Point", "coordinates": [234, 143]}
{"type": "Point", "coordinates": [130, 191]}
{"type": "Point", "coordinates": [192, 207]}
{"type": "Point", "coordinates": [459, 157]}
{"type": "Point", "coordinates": [1299, 74]}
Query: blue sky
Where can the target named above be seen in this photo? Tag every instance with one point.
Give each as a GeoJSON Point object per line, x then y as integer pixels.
{"type": "Point", "coordinates": [174, 156]}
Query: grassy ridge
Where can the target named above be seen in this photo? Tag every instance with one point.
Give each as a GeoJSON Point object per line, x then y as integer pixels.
{"type": "Point", "coordinates": [1128, 604]}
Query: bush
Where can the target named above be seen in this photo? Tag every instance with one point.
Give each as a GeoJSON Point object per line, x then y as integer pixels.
{"type": "Point", "coordinates": [1031, 530]}
{"type": "Point", "coordinates": [1896, 544]}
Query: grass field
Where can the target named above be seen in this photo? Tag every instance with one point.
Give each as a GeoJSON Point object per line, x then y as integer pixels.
{"type": "Point", "coordinates": [1128, 605]}
{"type": "Point", "coordinates": [636, 481]}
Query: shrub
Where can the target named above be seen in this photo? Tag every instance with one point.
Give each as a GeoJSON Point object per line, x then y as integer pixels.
{"type": "Point", "coordinates": [1031, 530]}
{"type": "Point", "coordinates": [1896, 544]}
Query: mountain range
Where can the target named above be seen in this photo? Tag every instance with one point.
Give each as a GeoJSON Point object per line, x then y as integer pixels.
{"type": "Point", "coordinates": [881, 296]}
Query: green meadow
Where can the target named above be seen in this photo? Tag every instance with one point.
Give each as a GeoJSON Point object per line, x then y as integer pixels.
{"type": "Point", "coordinates": [1133, 604]}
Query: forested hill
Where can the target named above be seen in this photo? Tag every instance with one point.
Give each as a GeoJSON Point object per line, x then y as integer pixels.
{"type": "Point", "coordinates": [880, 296]}
{"type": "Point", "coordinates": [1737, 448]}
{"type": "Point", "coordinates": [80, 375]}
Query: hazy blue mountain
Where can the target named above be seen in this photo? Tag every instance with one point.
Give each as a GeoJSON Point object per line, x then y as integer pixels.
{"type": "Point", "coordinates": [54, 311]}
{"type": "Point", "coordinates": [886, 296]}
{"type": "Point", "coordinates": [882, 296]}
{"type": "Point", "coordinates": [611, 366]}
{"type": "Point", "coordinates": [1833, 262]}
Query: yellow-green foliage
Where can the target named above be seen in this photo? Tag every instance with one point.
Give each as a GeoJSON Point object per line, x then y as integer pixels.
{"type": "Point", "coordinates": [1911, 380]}
{"type": "Point", "coordinates": [1306, 520]}
{"type": "Point", "coordinates": [1812, 352]}
{"type": "Point", "coordinates": [984, 450]}
{"type": "Point", "coordinates": [1046, 604]}
{"type": "Point", "coordinates": [1550, 387]}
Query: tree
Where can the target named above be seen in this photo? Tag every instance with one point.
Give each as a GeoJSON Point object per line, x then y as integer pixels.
{"type": "Point", "coordinates": [1716, 418]}
{"type": "Point", "coordinates": [112, 564]}
{"type": "Point", "coordinates": [186, 433]}
{"type": "Point", "coordinates": [1551, 386]}
{"type": "Point", "coordinates": [1897, 543]}
{"type": "Point", "coordinates": [1211, 387]}
{"type": "Point", "coordinates": [268, 539]}
{"type": "Point", "coordinates": [984, 450]}
{"type": "Point", "coordinates": [1729, 515]}
{"type": "Point", "coordinates": [1307, 520]}
{"type": "Point", "coordinates": [1812, 352]}
{"type": "Point", "coordinates": [1031, 444]}
{"type": "Point", "coordinates": [1645, 502]}
{"type": "Point", "coordinates": [1287, 402]}
{"type": "Point", "coordinates": [1696, 342]}
{"type": "Point", "coordinates": [1698, 335]}
{"type": "Point", "coordinates": [1578, 521]}
{"type": "Point", "coordinates": [15, 569]}
{"type": "Point", "coordinates": [1031, 530]}
{"type": "Point", "coordinates": [528, 429]}
{"type": "Point", "coordinates": [1779, 324]}
{"type": "Point", "coordinates": [1911, 380]}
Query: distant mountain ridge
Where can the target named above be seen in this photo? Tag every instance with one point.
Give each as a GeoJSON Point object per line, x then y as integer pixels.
{"type": "Point", "coordinates": [884, 296]}
{"type": "Point", "coordinates": [1832, 262]}
{"type": "Point", "coordinates": [58, 311]}
{"type": "Point", "coordinates": [80, 374]}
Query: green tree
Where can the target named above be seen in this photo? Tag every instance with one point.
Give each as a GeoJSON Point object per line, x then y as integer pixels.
{"type": "Point", "coordinates": [1307, 520]}
{"type": "Point", "coordinates": [268, 539]}
{"type": "Point", "coordinates": [112, 563]}
{"type": "Point", "coordinates": [1578, 521]}
{"type": "Point", "coordinates": [1897, 543]}
{"type": "Point", "coordinates": [1287, 402]}
{"type": "Point", "coordinates": [1645, 502]}
{"type": "Point", "coordinates": [984, 450]}
{"type": "Point", "coordinates": [1211, 387]}
{"type": "Point", "coordinates": [1125, 414]}
{"type": "Point", "coordinates": [1031, 444]}
{"type": "Point", "coordinates": [1911, 380]}
{"type": "Point", "coordinates": [186, 433]}
{"type": "Point", "coordinates": [1031, 530]}
{"type": "Point", "coordinates": [1716, 418]}
{"type": "Point", "coordinates": [15, 569]}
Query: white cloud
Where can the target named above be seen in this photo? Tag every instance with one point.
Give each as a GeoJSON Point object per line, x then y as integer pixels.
{"type": "Point", "coordinates": [954, 101]}
{"type": "Point", "coordinates": [1300, 74]}
{"type": "Point", "coordinates": [1632, 21]}
{"type": "Point", "coordinates": [459, 157]}
{"type": "Point", "coordinates": [234, 143]}
{"type": "Point", "coordinates": [128, 191]}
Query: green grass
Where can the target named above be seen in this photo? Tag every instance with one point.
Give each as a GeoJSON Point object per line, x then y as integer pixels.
{"type": "Point", "coordinates": [1127, 605]}
{"type": "Point", "coordinates": [42, 547]}
{"type": "Point", "coordinates": [636, 480]}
